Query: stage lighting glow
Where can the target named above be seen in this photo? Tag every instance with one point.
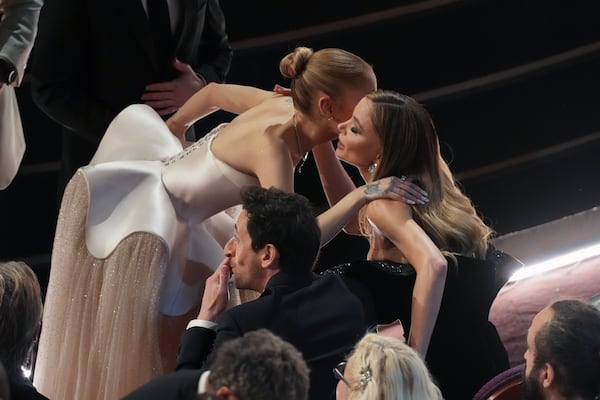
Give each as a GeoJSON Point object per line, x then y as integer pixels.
{"type": "Point", "coordinates": [562, 260]}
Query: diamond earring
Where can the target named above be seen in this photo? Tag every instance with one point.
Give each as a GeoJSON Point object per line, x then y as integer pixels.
{"type": "Point", "coordinates": [372, 168]}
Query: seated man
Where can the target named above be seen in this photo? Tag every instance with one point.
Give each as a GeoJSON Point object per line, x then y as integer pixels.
{"type": "Point", "coordinates": [238, 372]}
{"type": "Point", "coordinates": [563, 353]}
{"type": "Point", "coordinates": [273, 250]}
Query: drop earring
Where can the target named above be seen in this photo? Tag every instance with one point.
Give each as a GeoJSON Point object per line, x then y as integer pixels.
{"type": "Point", "coordinates": [372, 168]}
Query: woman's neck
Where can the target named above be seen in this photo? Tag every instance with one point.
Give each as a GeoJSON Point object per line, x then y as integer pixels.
{"type": "Point", "coordinates": [302, 154]}
{"type": "Point", "coordinates": [364, 173]}
{"type": "Point", "coordinates": [312, 132]}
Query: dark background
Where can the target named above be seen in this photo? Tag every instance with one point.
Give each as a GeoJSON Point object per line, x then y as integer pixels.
{"type": "Point", "coordinates": [512, 86]}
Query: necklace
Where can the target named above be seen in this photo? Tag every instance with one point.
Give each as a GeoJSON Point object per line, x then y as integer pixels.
{"type": "Point", "coordinates": [305, 156]}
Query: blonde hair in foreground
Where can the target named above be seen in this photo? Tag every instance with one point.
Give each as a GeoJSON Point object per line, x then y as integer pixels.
{"type": "Point", "coordinates": [396, 371]}
{"type": "Point", "coordinates": [411, 148]}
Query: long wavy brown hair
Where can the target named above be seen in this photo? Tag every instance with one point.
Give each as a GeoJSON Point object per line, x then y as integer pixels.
{"type": "Point", "coordinates": [410, 147]}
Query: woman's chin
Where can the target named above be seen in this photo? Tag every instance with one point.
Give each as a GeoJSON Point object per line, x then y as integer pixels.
{"type": "Point", "coordinates": [340, 156]}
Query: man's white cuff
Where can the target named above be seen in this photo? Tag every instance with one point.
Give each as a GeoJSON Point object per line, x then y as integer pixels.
{"type": "Point", "coordinates": [201, 323]}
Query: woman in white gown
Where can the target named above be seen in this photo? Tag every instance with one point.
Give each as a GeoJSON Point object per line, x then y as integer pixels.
{"type": "Point", "coordinates": [134, 241]}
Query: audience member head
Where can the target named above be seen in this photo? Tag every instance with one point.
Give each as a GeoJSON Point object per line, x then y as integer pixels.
{"type": "Point", "coordinates": [257, 366]}
{"type": "Point", "coordinates": [20, 315]}
{"type": "Point", "coordinates": [328, 82]}
{"type": "Point", "coordinates": [391, 134]}
{"type": "Point", "coordinates": [383, 367]}
{"type": "Point", "coordinates": [276, 231]}
{"type": "Point", "coordinates": [563, 353]}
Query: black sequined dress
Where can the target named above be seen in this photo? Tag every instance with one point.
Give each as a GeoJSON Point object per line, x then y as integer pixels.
{"type": "Point", "coordinates": [465, 350]}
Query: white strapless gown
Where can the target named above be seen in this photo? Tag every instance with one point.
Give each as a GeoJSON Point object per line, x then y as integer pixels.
{"type": "Point", "coordinates": [139, 231]}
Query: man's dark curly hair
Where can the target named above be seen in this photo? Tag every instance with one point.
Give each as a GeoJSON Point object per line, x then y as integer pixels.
{"type": "Point", "coordinates": [260, 366]}
{"type": "Point", "coordinates": [285, 220]}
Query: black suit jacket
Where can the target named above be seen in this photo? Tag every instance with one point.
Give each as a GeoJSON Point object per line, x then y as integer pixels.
{"type": "Point", "coordinates": [22, 389]}
{"type": "Point", "coordinates": [93, 58]}
{"type": "Point", "coordinates": [317, 314]}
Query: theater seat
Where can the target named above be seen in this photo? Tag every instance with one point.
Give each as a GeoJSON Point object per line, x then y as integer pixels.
{"type": "Point", "coordinates": [504, 386]}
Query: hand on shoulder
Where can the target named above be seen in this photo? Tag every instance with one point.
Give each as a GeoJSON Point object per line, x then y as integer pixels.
{"type": "Point", "coordinates": [394, 188]}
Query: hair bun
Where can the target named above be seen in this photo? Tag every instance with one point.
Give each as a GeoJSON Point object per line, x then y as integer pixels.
{"type": "Point", "coordinates": [293, 64]}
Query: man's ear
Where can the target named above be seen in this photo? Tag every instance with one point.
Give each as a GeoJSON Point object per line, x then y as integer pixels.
{"type": "Point", "coordinates": [224, 393]}
{"type": "Point", "coordinates": [547, 376]}
{"type": "Point", "coordinates": [269, 256]}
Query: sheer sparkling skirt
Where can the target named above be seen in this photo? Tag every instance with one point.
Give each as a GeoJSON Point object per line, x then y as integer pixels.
{"type": "Point", "coordinates": [101, 330]}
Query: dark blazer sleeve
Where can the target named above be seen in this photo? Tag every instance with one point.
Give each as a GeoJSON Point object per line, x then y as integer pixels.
{"type": "Point", "coordinates": [196, 344]}
{"type": "Point", "coordinates": [177, 385]}
{"type": "Point", "coordinates": [214, 53]}
{"type": "Point", "coordinates": [199, 345]}
{"type": "Point", "coordinates": [58, 70]}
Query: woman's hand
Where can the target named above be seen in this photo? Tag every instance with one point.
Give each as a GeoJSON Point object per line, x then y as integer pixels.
{"type": "Point", "coordinates": [282, 90]}
{"type": "Point", "coordinates": [402, 189]}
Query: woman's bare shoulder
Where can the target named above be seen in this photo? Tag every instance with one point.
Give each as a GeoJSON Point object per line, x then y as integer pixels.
{"type": "Point", "coordinates": [386, 210]}
{"type": "Point", "coordinates": [254, 135]}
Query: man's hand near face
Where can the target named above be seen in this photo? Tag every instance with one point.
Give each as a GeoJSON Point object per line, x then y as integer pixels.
{"type": "Point", "coordinates": [216, 295]}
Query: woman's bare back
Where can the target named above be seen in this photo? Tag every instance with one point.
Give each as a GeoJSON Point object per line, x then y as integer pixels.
{"type": "Point", "coordinates": [252, 139]}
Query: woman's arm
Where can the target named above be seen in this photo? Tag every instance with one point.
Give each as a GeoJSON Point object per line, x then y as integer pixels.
{"type": "Point", "coordinates": [232, 98]}
{"type": "Point", "coordinates": [395, 222]}
{"type": "Point", "coordinates": [335, 180]}
{"type": "Point", "coordinates": [333, 220]}
{"type": "Point", "coordinates": [337, 184]}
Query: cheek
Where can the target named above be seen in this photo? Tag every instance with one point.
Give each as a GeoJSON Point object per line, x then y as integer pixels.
{"type": "Point", "coordinates": [345, 113]}
{"type": "Point", "coordinates": [341, 391]}
{"type": "Point", "coordinates": [359, 150]}
{"type": "Point", "coordinates": [348, 149]}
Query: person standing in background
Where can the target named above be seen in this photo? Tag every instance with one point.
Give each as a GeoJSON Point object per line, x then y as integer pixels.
{"type": "Point", "coordinates": [18, 26]}
{"type": "Point", "coordinates": [94, 58]}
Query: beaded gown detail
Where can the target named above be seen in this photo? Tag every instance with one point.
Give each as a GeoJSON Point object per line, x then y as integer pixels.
{"type": "Point", "coordinates": [138, 232]}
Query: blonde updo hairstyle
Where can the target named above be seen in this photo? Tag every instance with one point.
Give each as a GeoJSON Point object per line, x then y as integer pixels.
{"type": "Point", "coordinates": [330, 71]}
{"type": "Point", "coordinates": [385, 368]}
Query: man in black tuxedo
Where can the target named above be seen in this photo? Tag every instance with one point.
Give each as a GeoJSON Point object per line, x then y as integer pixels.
{"type": "Point", "coordinates": [273, 250]}
{"type": "Point", "coordinates": [93, 58]}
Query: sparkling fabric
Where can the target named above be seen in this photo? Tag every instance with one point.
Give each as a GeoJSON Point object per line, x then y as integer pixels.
{"type": "Point", "coordinates": [464, 342]}
{"type": "Point", "coordinates": [100, 326]}
{"type": "Point", "coordinates": [135, 241]}
{"type": "Point", "coordinates": [151, 185]}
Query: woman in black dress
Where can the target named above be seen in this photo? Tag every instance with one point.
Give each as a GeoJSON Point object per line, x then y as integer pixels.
{"type": "Point", "coordinates": [432, 266]}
